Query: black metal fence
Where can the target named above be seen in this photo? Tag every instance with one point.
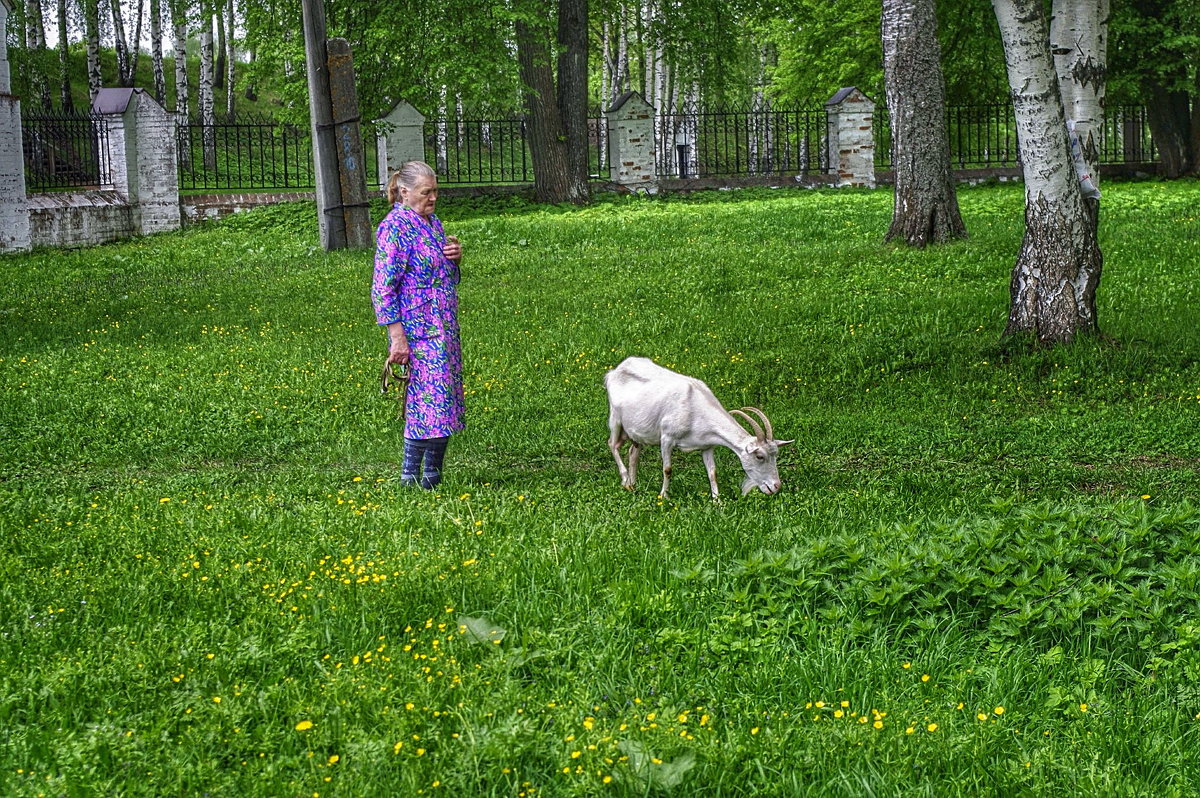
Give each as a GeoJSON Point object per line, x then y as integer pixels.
{"type": "Point", "coordinates": [733, 143]}
{"type": "Point", "coordinates": [985, 136]}
{"type": "Point", "coordinates": [65, 151]}
{"type": "Point", "coordinates": [495, 151]}
{"type": "Point", "coordinates": [243, 152]}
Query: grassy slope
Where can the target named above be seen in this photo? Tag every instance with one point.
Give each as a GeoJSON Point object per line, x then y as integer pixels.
{"type": "Point", "coordinates": [201, 504]}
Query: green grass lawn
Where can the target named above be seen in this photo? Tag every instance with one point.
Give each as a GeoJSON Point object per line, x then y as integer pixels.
{"type": "Point", "coordinates": [980, 578]}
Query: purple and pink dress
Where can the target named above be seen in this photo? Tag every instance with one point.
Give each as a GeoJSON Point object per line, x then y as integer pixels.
{"type": "Point", "coordinates": [416, 285]}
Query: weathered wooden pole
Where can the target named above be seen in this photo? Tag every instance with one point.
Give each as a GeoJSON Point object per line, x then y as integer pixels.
{"type": "Point", "coordinates": [352, 169]}
{"type": "Point", "coordinates": [330, 220]}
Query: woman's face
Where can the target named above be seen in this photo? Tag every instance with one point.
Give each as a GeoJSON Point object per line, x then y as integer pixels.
{"type": "Point", "coordinates": [422, 197]}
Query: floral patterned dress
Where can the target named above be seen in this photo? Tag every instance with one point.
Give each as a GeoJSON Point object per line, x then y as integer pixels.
{"type": "Point", "coordinates": [416, 285]}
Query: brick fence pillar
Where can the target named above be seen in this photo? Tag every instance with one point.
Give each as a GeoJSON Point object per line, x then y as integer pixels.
{"type": "Point", "coordinates": [631, 142]}
{"type": "Point", "coordinates": [851, 141]}
{"type": "Point", "coordinates": [141, 139]}
{"type": "Point", "coordinates": [403, 141]}
{"type": "Point", "coordinates": [14, 210]}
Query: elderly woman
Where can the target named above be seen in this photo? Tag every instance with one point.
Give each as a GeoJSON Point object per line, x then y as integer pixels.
{"type": "Point", "coordinates": [415, 298]}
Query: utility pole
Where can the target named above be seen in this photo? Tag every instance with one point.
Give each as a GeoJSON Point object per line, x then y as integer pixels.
{"type": "Point", "coordinates": [352, 168]}
{"type": "Point", "coordinates": [330, 220]}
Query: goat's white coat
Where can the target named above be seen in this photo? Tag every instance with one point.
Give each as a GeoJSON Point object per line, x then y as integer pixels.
{"type": "Point", "coordinates": [653, 406]}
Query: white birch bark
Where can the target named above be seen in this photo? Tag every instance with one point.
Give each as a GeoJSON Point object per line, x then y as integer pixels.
{"type": "Point", "coordinates": [91, 33]}
{"type": "Point", "coordinates": [230, 58]}
{"type": "Point", "coordinates": [182, 90]}
{"type": "Point", "coordinates": [205, 95]}
{"type": "Point", "coordinates": [1053, 286]}
{"type": "Point", "coordinates": [156, 53]}
{"type": "Point", "coordinates": [1079, 44]}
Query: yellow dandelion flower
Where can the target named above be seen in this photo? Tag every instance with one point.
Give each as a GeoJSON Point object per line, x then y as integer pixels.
{"type": "Point", "coordinates": [1083, 707]}
{"type": "Point", "coordinates": [998, 710]}
{"type": "Point", "coordinates": [216, 699]}
{"type": "Point", "coordinates": [982, 715]}
{"type": "Point", "coordinates": [588, 722]}
{"type": "Point", "coordinates": [333, 760]}
{"type": "Point", "coordinates": [837, 713]}
{"type": "Point", "coordinates": [754, 730]}
{"type": "Point", "coordinates": [845, 704]}
{"type": "Point", "coordinates": [420, 752]}
{"type": "Point", "coordinates": [576, 754]}
{"type": "Point", "coordinates": [910, 730]}
{"type": "Point", "coordinates": [924, 677]}
{"type": "Point", "coordinates": [932, 727]}
{"type": "Point", "coordinates": [906, 665]}
{"type": "Point", "coordinates": [396, 748]}
{"type": "Point", "coordinates": [304, 725]}
{"type": "Point", "coordinates": [878, 724]}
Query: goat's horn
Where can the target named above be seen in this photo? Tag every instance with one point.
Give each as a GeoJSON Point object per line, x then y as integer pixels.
{"type": "Point", "coordinates": [766, 421]}
{"type": "Point", "coordinates": [758, 431]}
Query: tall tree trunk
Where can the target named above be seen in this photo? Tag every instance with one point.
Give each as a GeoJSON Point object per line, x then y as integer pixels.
{"type": "Point", "coordinates": [64, 60]}
{"type": "Point", "coordinates": [573, 93]}
{"type": "Point", "coordinates": [120, 43]}
{"type": "Point", "coordinates": [204, 93]}
{"type": "Point", "coordinates": [1079, 43]}
{"type": "Point", "coordinates": [137, 42]}
{"type": "Point", "coordinates": [91, 32]}
{"type": "Point", "coordinates": [1170, 119]}
{"type": "Point", "coordinates": [556, 120]}
{"type": "Point", "coordinates": [35, 23]}
{"type": "Point", "coordinates": [1054, 281]}
{"type": "Point", "coordinates": [925, 205]}
{"type": "Point", "coordinates": [179, 14]}
{"type": "Point", "coordinates": [219, 70]}
{"type": "Point", "coordinates": [156, 53]}
{"type": "Point", "coordinates": [230, 53]}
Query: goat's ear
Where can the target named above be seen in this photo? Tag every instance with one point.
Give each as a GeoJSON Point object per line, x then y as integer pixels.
{"type": "Point", "coordinates": [784, 443]}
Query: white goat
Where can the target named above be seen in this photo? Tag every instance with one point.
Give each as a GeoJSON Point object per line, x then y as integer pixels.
{"type": "Point", "coordinates": [649, 405]}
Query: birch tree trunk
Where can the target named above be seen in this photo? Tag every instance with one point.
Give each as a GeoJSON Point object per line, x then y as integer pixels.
{"type": "Point", "coordinates": [1054, 282]}
{"type": "Point", "coordinates": [137, 42]}
{"type": "Point", "coordinates": [156, 53]}
{"type": "Point", "coordinates": [219, 70]}
{"type": "Point", "coordinates": [230, 58]}
{"type": "Point", "coordinates": [182, 90]}
{"type": "Point", "coordinates": [120, 43]}
{"type": "Point", "coordinates": [1079, 43]}
{"type": "Point", "coordinates": [204, 93]}
{"type": "Point", "coordinates": [925, 205]}
{"type": "Point", "coordinates": [64, 61]}
{"type": "Point", "coordinates": [35, 22]}
{"type": "Point", "coordinates": [91, 32]}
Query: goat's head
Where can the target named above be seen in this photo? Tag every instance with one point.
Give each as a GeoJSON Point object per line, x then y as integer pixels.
{"type": "Point", "coordinates": [760, 456]}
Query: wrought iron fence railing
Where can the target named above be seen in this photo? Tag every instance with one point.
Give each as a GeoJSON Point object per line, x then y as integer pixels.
{"type": "Point", "coordinates": [64, 150]}
{"type": "Point", "coordinates": [495, 151]}
{"type": "Point", "coordinates": [734, 143]}
{"type": "Point", "coordinates": [243, 152]}
{"type": "Point", "coordinates": [985, 136]}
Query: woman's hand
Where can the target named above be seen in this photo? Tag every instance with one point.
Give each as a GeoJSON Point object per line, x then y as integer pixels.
{"type": "Point", "coordinates": [452, 249]}
{"type": "Point", "coordinates": [398, 351]}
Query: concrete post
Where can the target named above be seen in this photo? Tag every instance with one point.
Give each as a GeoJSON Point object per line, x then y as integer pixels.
{"type": "Point", "coordinates": [141, 139]}
{"type": "Point", "coordinates": [631, 142]}
{"type": "Point", "coordinates": [14, 210]}
{"type": "Point", "coordinates": [401, 139]}
{"type": "Point", "coordinates": [850, 137]}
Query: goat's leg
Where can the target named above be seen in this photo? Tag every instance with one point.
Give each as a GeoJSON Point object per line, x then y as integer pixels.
{"type": "Point", "coordinates": [635, 450]}
{"type": "Point", "coordinates": [666, 466]}
{"type": "Point", "coordinates": [616, 437]}
{"type": "Point", "coordinates": [710, 464]}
